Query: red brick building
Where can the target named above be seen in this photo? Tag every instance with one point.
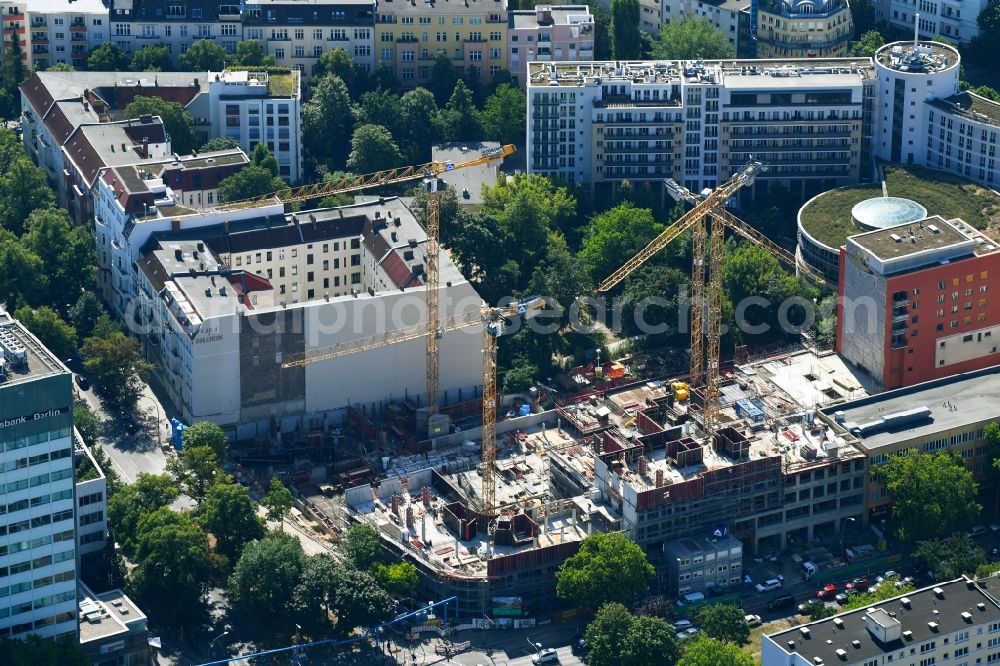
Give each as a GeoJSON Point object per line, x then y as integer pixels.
{"type": "Point", "coordinates": [918, 302]}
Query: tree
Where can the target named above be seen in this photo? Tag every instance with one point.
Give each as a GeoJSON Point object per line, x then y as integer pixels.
{"type": "Point", "coordinates": [989, 23]}
{"type": "Point", "coordinates": [503, 116]}
{"type": "Point", "coordinates": [692, 37]}
{"type": "Point", "coordinates": [250, 182]}
{"type": "Point", "coordinates": [459, 119]}
{"type": "Point", "coordinates": [84, 313]}
{"type": "Point", "coordinates": [933, 494]}
{"type": "Point", "coordinates": [608, 567]}
{"type": "Point", "coordinates": [327, 121]}
{"type": "Point", "coordinates": [195, 470]}
{"type": "Point", "coordinates": [177, 121]}
{"type": "Point", "coordinates": [373, 149]}
{"type": "Point", "coordinates": [262, 157]}
{"type": "Point", "coordinates": [19, 269]}
{"type": "Point", "coordinates": [885, 590]}
{"type": "Point", "coordinates": [131, 502]}
{"type": "Point", "coordinates": [556, 205]}
{"type": "Point", "coordinates": [116, 362]}
{"type": "Point", "coordinates": [864, 15]}
{"type": "Point", "coordinates": [278, 501]}
{"type": "Point", "coordinates": [228, 513]}
{"type": "Point", "coordinates": [361, 545]}
{"type": "Point", "coordinates": [108, 57]}
{"type": "Point", "coordinates": [337, 62]}
{"type": "Point", "coordinates": [519, 378]}
{"type": "Point", "coordinates": [33, 650]}
{"type": "Point", "coordinates": [991, 433]}
{"type": "Point", "coordinates": [950, 557]}
{"type": "Point", "coordinates": [987, 92]}
{"type": "Point", "coordinates": [867, 44]}
{"type": "Point", "coordinates": [66, 250]}
{"type": "Point", "coordinates": [205, 55]}
{"type": "Point", "coordinates": [705, 651]}
{"type": "Point", "coordinates": [313, 597]}
{"type": "Point", "coordinates": [61, 67]}
{"type": "Point", "coordinates": [220, 143]}
{"type": "Point", "coordinates": [174, 566]}
{"type": "Point", "coordinates": [206, 433]}
{"type": "Point", "coordinates": [817, 610]}
{"type": "Point", "coordinates": [58, 336]}
{"type": "Point", "coordinates": [23, 190]}
{"type": "Point", "coordinates": [418, 132]}
{"type": "Point", "coordinates": [87, 422]}
{"type": "Point", "coordinates": [559, 276]}
{"type": "Point", "coordinates": [606, 633]}
{"type": "Point", "coordinates": [250, 53]}
{"type": "Point", "coordinates": [399, 578]}
{"type": "Point", "coordinates": [444, 78]}
{"type": "Point", "coordinates": [626, 42]}
{"type": "Point", "coordinates": [264, 580]}
{"type": "Point", "coordinates": [380, 107]}
{"type": "Point", "coordinates": [357, 600]}
{"type": "Point", "coordinates": [151, 58]}
{"type": "Point", "coordinates": [649, 640]}
{"type": "Point", "coordinates": [340, 199]}
{"type": "Point", "coordinates": [726, 622]}
{"type": "Point", "coordinates": [613, 237]}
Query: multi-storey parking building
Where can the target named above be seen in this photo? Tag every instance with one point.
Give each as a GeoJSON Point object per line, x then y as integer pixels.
{"type": "Point", "coordinates": [54, 31]}
{"type": "Point", "coordinates": [697, 122]}
{"type": "Point", "coordinates": [410, 35]}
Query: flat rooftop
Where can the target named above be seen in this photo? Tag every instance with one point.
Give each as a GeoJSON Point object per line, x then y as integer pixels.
{"type": "Point", "coordinates": [933, 233]}
{"type": "Point", "coordinates": [67, 7]}
{"type": "Point", "coordinates": [447, 7]}
{"type": "Point", "coordinates": [16, 343]}
{"type": "Point", "coordinates": [470, 179]}
{"type": "Point", "coordinates": [849, 631]}
{"type": "Point", "coordinates": [971, 106]}
{"type": "Point", "coordinates": [926, 57]}
{"type": "Point", "coordinates": [953, 402]}
{"type": "Point", "coordinates": [526, 19]}
{"type": "Point", "coordinates": [107, 614]}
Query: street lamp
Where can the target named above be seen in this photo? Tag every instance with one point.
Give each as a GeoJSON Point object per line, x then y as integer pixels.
{"type": "Point", "coordinates": [156, 405]}
{"type": "Point", "coordinates": [537, 647]}
{"type": "Point", "coordinates": [843, 524]}
{"type": "Point", "coordinates": [211, 645]}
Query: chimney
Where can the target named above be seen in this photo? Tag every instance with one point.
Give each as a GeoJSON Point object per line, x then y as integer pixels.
{"type": "Point", "coordinates": [175, 225]}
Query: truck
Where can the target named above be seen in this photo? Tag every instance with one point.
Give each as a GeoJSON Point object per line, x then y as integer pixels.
{"type": "Point", "coordinates": [809, 570]}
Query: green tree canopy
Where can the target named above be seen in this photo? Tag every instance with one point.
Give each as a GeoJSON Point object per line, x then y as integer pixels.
{"type": "Point", "coordinates": [151, 58]}
{"type": "Point", "coordinates": [989, 23]}
{"type": "Point", "coordinates": [519, 378]}
{"type": "Point", "coordinates": [933, 493]}
{"type": "Point", "coordinates": [360, 544]}
{"type": "Point", "coordinates": [418, 132]}
{"type": "Point", "coordinates": [61, 67]}
{"type": "Point", "coordinates": [219, 143]}
{"type": "Point", "coordinates": [556, 205]}
{"type": "Point", "coordinates": [250, 53]}
{"type": "Point", "coordinates": [149, 493]}
{"type": "Point", "coordinates": [606, 633]}
{"type": "Point", "coordinates": [314, 595]}
{"type": "Point", "coordinates": [33, 650]}
{"type": "Point", "coordinates": [649, 640]}
{"type": "Point", "coordinates": [278, 501]}
{"type": "Point", "coordinates": [108, 57]}
{"type": "Point", "coordinates": [116, 362]}
{"type": "Point", "coordinates": [248, 183]}
{"type": "Point", "coordinates": [357, 600]}
{"type": "Point", "coordinates": [23, 190]}
{"type": "Point", "coordinates": [991, 433]}
{"type": "Point", "coordinates": [725, 622]}
{"type": "Point", "coordinates": [87, 422]}
{"type": "Point", "coordinates": [58, 336]}
{"type": "Point", "coordinates": [705, 651]}
{"type": "Point", "coordinates": [867, 44]}
{"type": "Point", "coordinates": [503, 116]}
{"type": "Point", "coordinates": [559, 275]}
{"type": "Point", "coordinates": [950, 557]}
{"type": "Point", "coordinates": [459, 119]}
{"type": "Point", "coordinates": [19, 269]}
{"type": "Point", "coordinates": [327, 121]}
{"type": "Point", "coordinates": [444, 78]}
{"type": "Point", "coordinates": [84, 313]}
{"type": "Point", "coordinates": [652, 298]}
{"type": "Point", "coordinates": [337, 62]}
{"type": "Point", "coordinates": [616, 236]}
{"type": "Point", "coordinates": [608, 567]}
{"type": "Point", "coordinates": [177, 121]}
{"type": "Point", "coordinates": [262, 157]}
{"type": "Point", "coordinates": [626, 40]}
{"type": "Point", "coordinates": [205, 55]}
{"type": "Point", "coordinates": [373, 149]}
{"type": "Point", "coordinates": [886, 590]}
{"type": "Point", "coordinates": [174, 566]}
{"type": "Point", "coordinates": [865, 16]}
{"type": "Point", "coordinates": [66, 250]}
{"type": "Point", "coordinates": [207, 433]}
{"type": "Point", "coordinates": [692, 37]}
{"type": "Point", "coordinates": [264, 580]}
{"type": "Point", "coordinates": [229, 514]}
{"type": "Point", "coordinates": [399, 578]}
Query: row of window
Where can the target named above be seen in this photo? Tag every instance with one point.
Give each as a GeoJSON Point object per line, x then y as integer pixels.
{"type": "Point", "coordinates": [11, 590]}
{"type": "Point", "coordinates": [36, 481]}
{"type": "Point", "coordinates": [31, 440]}
{"type": "Point", "coordinates": [29, 461]}
{"type": "Point", "coordinates": [37, 563]}
{"type": "Point", "coordinates": [20, 546]}
{"type": "Point", "coordinates": [21, 505]}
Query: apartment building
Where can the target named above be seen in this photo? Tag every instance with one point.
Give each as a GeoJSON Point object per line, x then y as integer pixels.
{"type": "Point", "coordinates": [54, 31]}
{"type": "Point", "coordinates": [548, 33]}
{"type": "Point", "coordinates": [174, 24]}
{"type": "Point", "coordinates": [698, 122]}
{"type": "Point", "coordinates": [219, 309]}
{"type": "Point", "coordinates": [811, 29]}
{"type": "Point", "coordinates": [953, 622]}
{"type": "Point", "coordinates": [410, 35]}
{"type": "Point", "coordinates": [297, 32]}
{"type": "Point", "coordinates": [955, 20]}
{"type": "Point", "coordinates": [944, 414]}
{"type": "Point", "coordinates": [38, 570]}
{"type": "Point", "coordinates": [251, 107]}
{"type": "Point", "coordinates": [699, 563]}
{"type": "Point", "coordinates": [949, 269]}
{"type": "Point", "coordinates": [730, 17]}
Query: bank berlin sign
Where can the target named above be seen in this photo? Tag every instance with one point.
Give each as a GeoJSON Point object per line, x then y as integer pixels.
{"type": "Point", "coordinates": [31, 418]}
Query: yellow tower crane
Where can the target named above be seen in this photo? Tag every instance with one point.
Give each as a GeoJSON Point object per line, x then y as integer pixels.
{"type": "Point", "coordinates": [696, 220]}
{"type": "Point", "coordinates": [428, 172]}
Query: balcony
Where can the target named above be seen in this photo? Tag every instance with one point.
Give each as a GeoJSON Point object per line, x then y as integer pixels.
{"type": "Point", "coordinates": [16, 29]}
{"type": "Point", "coordinates": [78, 37]}
{"type": "Point", "coordinates": [39, 41]}
{"type": "Point", "coordinates": [39, 50]}
{"type": "Point", "coordinates": [13, 17]}
{"type": "Point", "coordinates": [78, 27]}
{"type": "Point", "coordinates": [406, 40]}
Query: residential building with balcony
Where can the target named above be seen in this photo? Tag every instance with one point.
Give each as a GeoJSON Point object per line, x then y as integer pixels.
{"type": "Point", "coordinates": [598, 123]}
{"type": "Point", "coordinates": [730, 17]}
{"type": "Point", "coordinates": [297, 32]}
{"type": "Point", "coordinates": [548, 33]}
{"type": "Point", "coordinates": [174, 24]}
{"type": "Point", "coordinates": [54, 31]}
{"type": "Point", "coordinates": [810, 29]}
{"type": "Point", "coordinates": [38, 553]}
{"type": "Point", "coordinates": [410, 35]}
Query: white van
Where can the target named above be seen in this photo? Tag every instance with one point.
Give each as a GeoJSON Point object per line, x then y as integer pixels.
{"type": "Point", "coordinates": [690, 598]}
{"type": "Point", "coordinates": [808, 570]}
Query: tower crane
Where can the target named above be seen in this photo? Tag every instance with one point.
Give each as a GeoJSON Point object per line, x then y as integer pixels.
{"type": "Point", "coordinates": [696, 220]}
{"type": "Point", "coordinates": [495, 323]}
{"type": "Point", "coordinates": [429, 173]}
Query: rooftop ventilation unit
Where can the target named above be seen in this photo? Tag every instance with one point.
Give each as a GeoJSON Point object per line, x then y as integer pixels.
{"type": "Point", "coordinates": [934, 228]}
{"type": "Point", "coordinates": [967, 616]}
{"type": "Point", "coordinates": [981, 606]}
{"type": "Point", "coordinates": [939, 593]}
{"type": "Point", "coordinates": [905, 601]}
{"type": "Point", "coordinates": [933, 626]}
{"type": "Point", "coordinates": [805, 632]}
{"type": "Point", "coordinates": [896, 238]}
{"type": "Point", "coordinates": [842, 653]}
{"type": "Point", "coordinates": [837, 622]}
{"type": "Point", "coordinates": [856, 643]}
{"type": "Point", "coordinates": [908, 635]}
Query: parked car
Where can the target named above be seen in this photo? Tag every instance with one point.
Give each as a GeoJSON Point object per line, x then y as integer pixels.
{"type": "Point", "coordinates": [546, 656]}
{"type": "Point", "coordinates": [82, 382]}
{"type": "Point", "coordinates": [752, 620]}
{"type": "Point", "coordinates": [680, 625]}
{"type": "Point", "coordinates": [827, 591]}
{"type": "Point", "coordinates": [860, 584]}
{"type": "Point", "coordinates": [688, 633]}
{"type": "Point", "coordinates": [841, 598]}
{"type": "Point", "coordinates": [781, 601]}
{"type": "Point", "coordinates": [904, 581]}
{"type": "Point", "coordinates": [769, 585]}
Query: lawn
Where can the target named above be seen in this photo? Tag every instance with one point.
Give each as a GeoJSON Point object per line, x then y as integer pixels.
{"type": "Point", "coordinates": [281, 85]}
{"type": "Point", "coordinates": [828, 218]}
{"type": "Point", "coordinates": [753, 647]}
